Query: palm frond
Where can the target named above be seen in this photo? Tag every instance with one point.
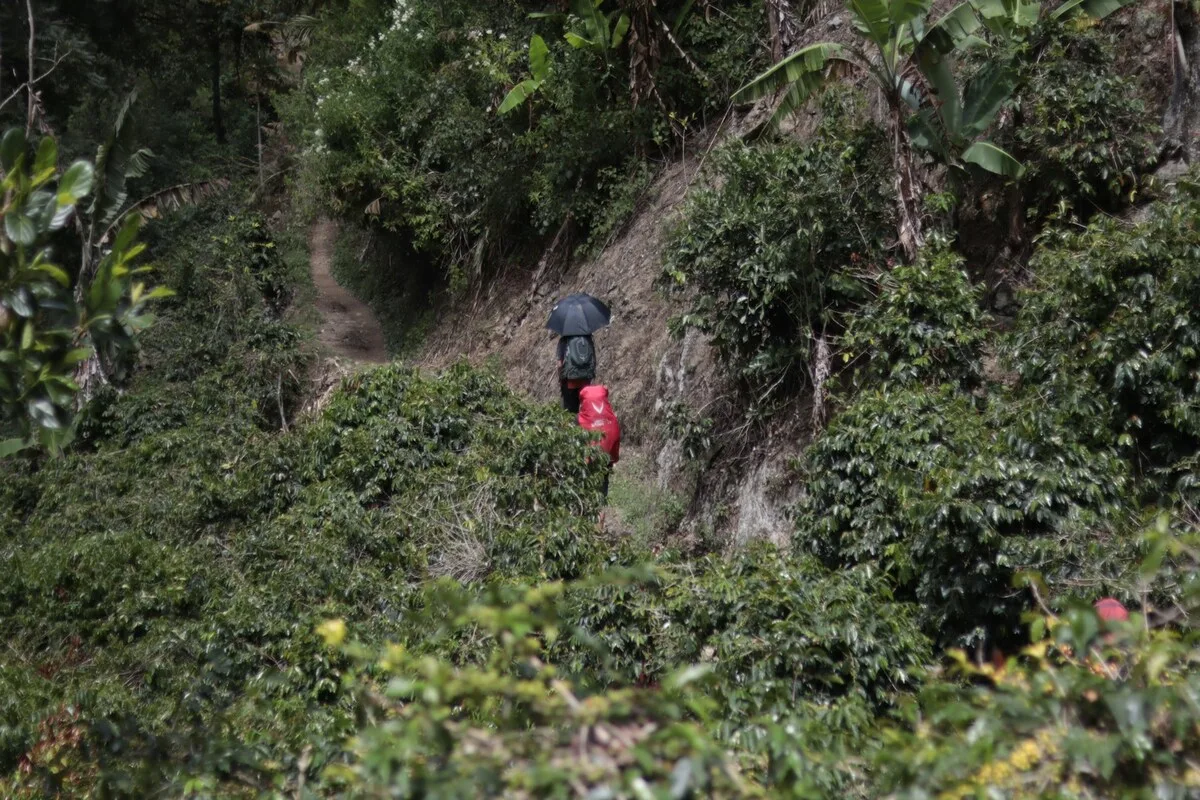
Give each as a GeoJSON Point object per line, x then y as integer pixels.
{"type": "Point", "coordinates": [163, 201]}
{"type": "Point", "coordinates": [810, 60]}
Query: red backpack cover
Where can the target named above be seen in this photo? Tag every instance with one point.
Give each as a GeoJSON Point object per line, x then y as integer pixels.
{"type": "Point", "coordinates": [595, 414]}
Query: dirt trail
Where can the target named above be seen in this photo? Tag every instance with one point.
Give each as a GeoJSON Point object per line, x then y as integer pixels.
{"type": "Point", "coordinates": [348, 328]}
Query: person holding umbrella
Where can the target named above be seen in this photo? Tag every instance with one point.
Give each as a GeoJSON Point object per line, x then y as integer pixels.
{"type": "Point", "coordinates": [575, 319]}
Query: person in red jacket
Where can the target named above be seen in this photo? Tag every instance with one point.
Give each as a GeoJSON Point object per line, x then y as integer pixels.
{"type": "Point", "coordinates": [596, 414]}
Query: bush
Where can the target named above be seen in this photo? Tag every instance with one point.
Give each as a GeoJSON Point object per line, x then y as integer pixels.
{"type": "Point", "coordinates": [1089, 709]}
{"type": "Point", "coordinates": [768, 250]}
{"type": "Point", "coordinates": [1110, 332]}
{"type": "Point", "coordinates": [951, 502]}
{"type": "Point", "coordinates": [771, 629]}
{"type": "Point", "coordinates": [924, 326]}
{"type": "Point", "coordinates": [1080, 127]}
{"type": "Point", "coordinates": [400, 126]}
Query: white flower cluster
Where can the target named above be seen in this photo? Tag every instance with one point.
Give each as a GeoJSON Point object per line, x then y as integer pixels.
{"type": "Point", "coordinates": [402, 14]}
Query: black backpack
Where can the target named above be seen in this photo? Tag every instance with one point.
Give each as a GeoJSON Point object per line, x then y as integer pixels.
{"type": "Point", "coordinates": [579, 361]}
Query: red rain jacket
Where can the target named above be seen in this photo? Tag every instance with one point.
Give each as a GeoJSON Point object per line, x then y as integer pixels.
{"type": "Point", "coordinates": [595, 414]}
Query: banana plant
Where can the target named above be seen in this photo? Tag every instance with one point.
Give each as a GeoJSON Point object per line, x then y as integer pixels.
{"type": "Point", "coordinates": [890, 29]}
{"type": "Point", "coordinates": [539, 71]}
{"type": "Point", "coordinates": [951, 124]}
{"type": "Point", "coordinates": [600, 32]}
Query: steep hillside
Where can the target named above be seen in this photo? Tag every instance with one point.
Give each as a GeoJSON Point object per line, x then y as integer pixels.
{"type": "Point", "coordinates": [906, 340]}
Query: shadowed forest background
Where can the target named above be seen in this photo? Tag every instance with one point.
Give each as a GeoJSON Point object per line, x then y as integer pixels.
{"type": "Point", "coordinates": [905, 345]}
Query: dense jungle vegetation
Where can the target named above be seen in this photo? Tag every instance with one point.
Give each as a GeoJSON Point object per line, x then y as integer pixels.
{"type": "Point", "coordinates": [216, 581]}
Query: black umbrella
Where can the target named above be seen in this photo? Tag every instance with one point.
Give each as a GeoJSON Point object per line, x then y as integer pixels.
{"type": "Point", "coordinates": [578, 315]}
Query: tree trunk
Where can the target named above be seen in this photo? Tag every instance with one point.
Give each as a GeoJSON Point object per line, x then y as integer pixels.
{"type": "Point", "coordinates": [214, 51]}
{"type": "Point", "coordinates": [1181, 121]}
{"type": "Point", "coordinates": [90, 378]}
{"type": "Point", "coordinates": [783, 27]}
{"type": "Point", "coordinates": [822, 368]}
{"type": "Point", "coordinates": [238, 33]}
{"type": "Point", "coordinates": [908, 196]}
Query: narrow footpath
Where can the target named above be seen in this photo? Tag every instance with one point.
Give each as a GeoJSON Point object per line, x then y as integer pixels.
{"type": "Point", "coordinates": [348, 327]}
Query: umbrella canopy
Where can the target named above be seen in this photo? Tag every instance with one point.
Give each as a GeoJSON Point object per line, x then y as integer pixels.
{"type": "Point", "coordinates": [578, 315]}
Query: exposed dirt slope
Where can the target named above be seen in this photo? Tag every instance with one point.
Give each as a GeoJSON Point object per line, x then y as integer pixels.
{"type": "Point", "coordinates": [348, 328]}
{"type": "Point", "coordinates": [510, 323]}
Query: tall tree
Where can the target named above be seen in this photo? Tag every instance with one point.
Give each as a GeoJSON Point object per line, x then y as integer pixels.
{"type": "Point", "coordinates": [214, 61]}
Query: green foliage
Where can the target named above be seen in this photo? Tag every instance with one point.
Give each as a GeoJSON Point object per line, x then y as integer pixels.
{"type": "Point", "coordinates": [1080, 127]}
{"type": "Point", "coordinates": [376, 267]}
{"type": "Point", "coordinates": [405, 136]}
{"type": "Point", "coordinates": [924, 326]}
{"type": "Point", "coordinates": [516, 724]}
{"type": "Point", "coordinates": [638, 507]}
{"type": "Point", "coordinates": [900, 37]}
{"type": "Point", "coordinates": [685, 425]}
{"type": "Point", "coordinates": [771, 629]}
{"type": "Point", "coordinates": [539, 70]}
{"type": "Point", "coordinates": [769, 249]}
{"type": "Point", "coordinates": [1089, 709]}
{"type": "Point", "coordinates": [49, 321]}
{"type": "Point", "coordinates": [951, 502]}
{"type": "Point", "coordinates": [1109, 330]}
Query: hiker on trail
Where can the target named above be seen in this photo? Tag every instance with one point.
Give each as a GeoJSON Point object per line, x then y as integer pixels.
{"type": "Point", "coordinates": [576, 368]}
{"type": "Point", "coordinates": [575, 319]}
{"type": "Point", "coordinates": [595, 414]}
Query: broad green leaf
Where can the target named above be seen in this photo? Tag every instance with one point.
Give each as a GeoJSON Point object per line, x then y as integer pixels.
{"type": "Point", "coordinates": [57, 273]}
{"type": "Point", "coordinates": [54, 216]}
{"type": "Point", "coordinates": [539, 58]}
{"type": "Point", "coordinates": [12, 147]}
{"type": "Point", "coordinates": [1097, 9]}
{"type": "Point", "coordinates": [619, 31]}
{"type": "Point", "coordinates": [938, 69]}
{"type": "Point", "coordinates": [687, 675]}
{"type": "Point", "coordinates": [10, 447]}
{"type": "Point", "coordinates": [20, 228]}
{"type": "Point", "coordinates": [75, 356]}
{"type": "Point", "coordinates": [45, 161]}
{"type": "Point", "coordinates": [517, 96]}
{"type": "Point", "coordinates": [577, 41]}
{"type": "Point", "coordinates": [76, 183]}
{"type": "Point", "coordinates": [1065, 8]}
{"type": "Point", "coordinates": [44, 413]}
{"type": "Point", "coordinates": [1027, 14]}
{"type": "Point", "coordinates": [22, 302]}
{"type": "Point", "coordinates": [159, 292]}
{"type": "Point", "coordinates": [128, 232]}
{"type": "Point", "coordinates": [593, 20]}
{"type": "Point", "coordinates": [952, 30]}
{"type": "Point", "coordinates": [681, 19]}
{"type": "Point", "coordinates": [902, 12]}
{"type": "Point", "coordinates": [985, 96]}
{"type": "Point", "coordinates": [993, 159]}
{"type": "Point", "coordinates": [911, 95]}
{"type": "Point", "coordinates": [873, 17]}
